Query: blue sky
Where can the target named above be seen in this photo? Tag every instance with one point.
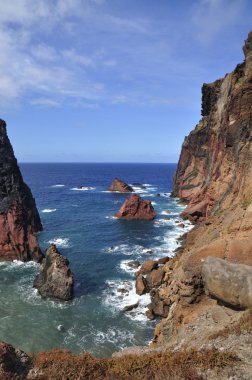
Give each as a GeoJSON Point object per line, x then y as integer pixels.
{"type": "Point", "coordinates": [112, 80]}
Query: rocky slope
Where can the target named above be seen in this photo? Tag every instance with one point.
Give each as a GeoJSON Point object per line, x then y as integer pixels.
{"type": "Point", "coordinates": [19, 218]}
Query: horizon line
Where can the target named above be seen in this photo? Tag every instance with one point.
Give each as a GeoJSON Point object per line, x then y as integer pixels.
{"type": "Point", "coordinates": [94, 162]}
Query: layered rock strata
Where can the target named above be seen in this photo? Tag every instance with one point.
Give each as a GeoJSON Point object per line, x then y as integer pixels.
{"type": "Point", "coordinates": [214, 177]}
{"type": "Point", "coordinates": [19, 217]}
{"type": "Point", "coordinates": [118, 185]}
{"type": "Point", "coordinates": [135, 207]}
{"type": "Point", "coordinates": [55, 279]}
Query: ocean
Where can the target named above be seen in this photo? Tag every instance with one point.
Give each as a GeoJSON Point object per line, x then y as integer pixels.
{"type": "Point", "coordinates": [82, 225]}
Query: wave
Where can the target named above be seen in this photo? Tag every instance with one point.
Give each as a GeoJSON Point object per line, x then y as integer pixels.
{"type": "Point", "coordinates": [47, 210]}
{"type": "Point", "coordinates": [126, 267]}
{"type": "Point", "coordinates": [129, 250]}
{"type": "Point", "coordinates": [83, 188]}
{"type": "Point", "coordinates": [122, 296]}
{"type": "Point", "coordinates": [60, 242]}
{"type": "Point", "coordinates": [59, 185]}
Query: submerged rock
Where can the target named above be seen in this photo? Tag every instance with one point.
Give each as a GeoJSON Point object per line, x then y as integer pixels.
{"type": "Point", "coordinates": [136, 208]}
{"type": "Point", "coordinates": [119, 185]}
{"type": "Point", "coordinates": [19, 217]}
{"type": "Point", "coordinates": [55, 279]}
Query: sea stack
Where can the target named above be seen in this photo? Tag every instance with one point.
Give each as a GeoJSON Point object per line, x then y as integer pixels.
{"type": "Point", "coordinates": [19, 217]}
{"type": "Point", "coordinates": [55, 279]}
{"type": "Point", "coordinates": [119, 185]}
{"type": "Point", "coordinates": [136, 208]}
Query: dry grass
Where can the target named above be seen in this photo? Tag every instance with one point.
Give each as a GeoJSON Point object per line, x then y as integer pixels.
{"type": "Point", "coordinates": [63, 365]}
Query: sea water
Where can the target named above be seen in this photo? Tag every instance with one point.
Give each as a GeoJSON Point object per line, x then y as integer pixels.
{"type": "Point", "coordinates": [77, 213]}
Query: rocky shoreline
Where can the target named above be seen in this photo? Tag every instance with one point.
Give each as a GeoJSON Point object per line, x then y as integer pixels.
{"type": "Point", "coordinates": [204, 293]}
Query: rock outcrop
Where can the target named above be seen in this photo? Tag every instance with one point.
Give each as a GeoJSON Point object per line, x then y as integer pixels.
{"type": "Point", "coordinates": [14, 364]}
{"type": "Point", "coordinates": [136, 208]}
{"type": "Point", "coordinates": [230, 283]}
{"type": "Point", "coordinates": [118, 185]}
{"type": "Point", "coordinates": [55, 279]}
{"type": "Point", "coordinates": [19, 218]}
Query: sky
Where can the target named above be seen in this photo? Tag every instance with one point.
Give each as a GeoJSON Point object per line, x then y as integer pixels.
{"type": "Point", "coordinates": [112, 80]}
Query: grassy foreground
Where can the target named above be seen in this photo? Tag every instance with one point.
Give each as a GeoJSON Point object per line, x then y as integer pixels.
{"type": "Point", "coordinates": [63, 365]}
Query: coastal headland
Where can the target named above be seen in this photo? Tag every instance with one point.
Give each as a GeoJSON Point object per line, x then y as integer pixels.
{"type": "Point", "coordinates": [206, 330]}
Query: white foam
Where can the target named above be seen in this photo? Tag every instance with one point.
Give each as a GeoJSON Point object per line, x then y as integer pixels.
{"type": "Point", "coordinates": [121, 294]}
{"type": "Point", "coordinates": [83, 188]}
{"type": "Point", "coordinates": [49, 210]}
{"type": "Point", "coordinates": [166, 212]}
{"type": "Point", "coordinates": [129, 250]}
{"type": "Point", "coordinates": [139, 190]}
{"type": "Point", "coordinates": [125, 267]}
{"type": "Point", "coordinates": [60, 242]}
{"type": "Point", "coordinates": [15, 264]}
{"type": "Point", "coordinates": [59, 185]}
{"type": "Point", "coordinates": [167, 195]}
{"type": "Point", "coordinates": [111, 217]}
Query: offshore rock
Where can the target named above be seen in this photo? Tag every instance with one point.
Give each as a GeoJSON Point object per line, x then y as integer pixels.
{"type": "Point", "coordinates": [136, 208]}
{"type": "Point", "coordinates": [119, 185]}
{"type": "Point", "coordinates": [19, 217]}
{"type": "Point", "coordinates": [230, 283]}
{"type": "Point", "coordinates": [55, 279]}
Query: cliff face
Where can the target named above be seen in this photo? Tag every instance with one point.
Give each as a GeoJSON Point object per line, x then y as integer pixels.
{"type": "Point", "coordinates": [214, 176]}
{"type": "Point", "coordinates": [19, 218]}
{"type": "Point", "coordinates": [214, 170]}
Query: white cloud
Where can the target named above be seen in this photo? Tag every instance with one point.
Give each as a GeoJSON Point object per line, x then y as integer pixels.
{"type": "Point", "coordinates": [210, 17]}
{"type": "Point", "coordinates": [45, 102]}
{"type": "Point", "coordinates": [74, 57]}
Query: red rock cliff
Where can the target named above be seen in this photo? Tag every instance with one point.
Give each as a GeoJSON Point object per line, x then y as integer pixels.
{"type": "Point", "coordinates": [214, 169]}
{"type": "Point", "coordinates": [19, 218]}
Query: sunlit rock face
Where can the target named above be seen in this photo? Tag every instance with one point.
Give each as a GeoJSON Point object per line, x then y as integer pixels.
{"type": "Point", "coordinates": [19, 217]}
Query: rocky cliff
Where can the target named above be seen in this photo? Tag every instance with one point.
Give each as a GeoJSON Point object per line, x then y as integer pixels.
{"type": "Point", "coordinates": [19, 218]}
{"type": "Point", "coordinates": [214, 169]}
{"type": "Point", "coordinates": [214, 178]}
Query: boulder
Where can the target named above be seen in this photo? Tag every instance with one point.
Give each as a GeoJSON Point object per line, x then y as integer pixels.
{"type": "Point", "coordinates": [230, 283]}
{"type": "Point", "coordinates": [148, 266]}
{"type": "Point", "coordinates": [19, 217]}
{"type": "Point", "coordinates": [141, 285]}
{"type": "Point", "coordinates": [155, 277]}
{"type": "Point", "coordinates": [55, 279]}
{"type": "Point", "coordinates": [119, 185]}
{"type": "Point", "coordinates": [136, 208]}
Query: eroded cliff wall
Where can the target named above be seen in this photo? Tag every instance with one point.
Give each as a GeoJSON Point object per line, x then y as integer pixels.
{"type": "Point", "coordinates": [214, 169]}
{"type": "Point", "coordinates": [19, 218]}
{"type": "Point", "coordinates": [214, 176]}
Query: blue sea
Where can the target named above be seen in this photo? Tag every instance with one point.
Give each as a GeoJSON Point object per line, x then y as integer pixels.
{"type": "Point", "coordinates": [81, 223]}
